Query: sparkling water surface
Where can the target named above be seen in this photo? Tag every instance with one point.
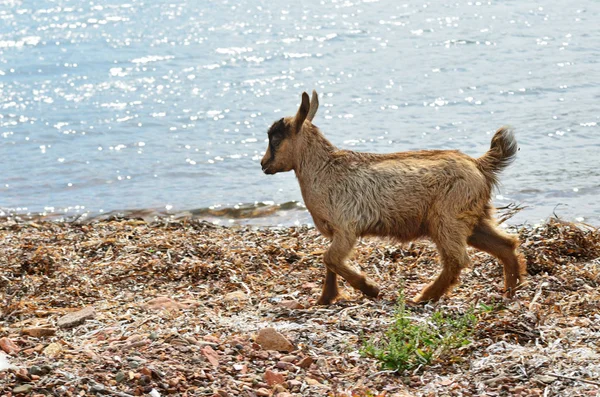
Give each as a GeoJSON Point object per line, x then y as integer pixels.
{"type": "Point", "coordinates": [164, 105]}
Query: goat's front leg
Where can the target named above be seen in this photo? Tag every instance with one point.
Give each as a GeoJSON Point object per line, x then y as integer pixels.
{"type": "Point", "coordinates": [335, 260]}
{"type": "Point", "coordinates": [330, 289]}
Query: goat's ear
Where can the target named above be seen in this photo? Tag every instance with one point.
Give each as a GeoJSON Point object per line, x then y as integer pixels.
{"type": "Point", "coordinates": [314, 105]}
{"type": "Point", "coordinates": [302, 112]}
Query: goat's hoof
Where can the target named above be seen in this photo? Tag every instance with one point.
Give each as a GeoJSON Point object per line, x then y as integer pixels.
{"type": "Point", "coordinates": [369, 288]}
{"type": "Point", "coordinates": [424, 298]}
{"type": "Point", "coordinates": [326, 300]}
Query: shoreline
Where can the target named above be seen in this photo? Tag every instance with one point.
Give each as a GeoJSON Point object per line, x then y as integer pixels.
{"type": "Point", "coordinates": [257, 214]}
{"type": "Point", "coordinates": [164, 292]}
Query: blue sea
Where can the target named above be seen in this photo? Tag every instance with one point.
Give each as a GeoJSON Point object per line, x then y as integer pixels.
{"type": "Point", "coordinates": [162, 107]}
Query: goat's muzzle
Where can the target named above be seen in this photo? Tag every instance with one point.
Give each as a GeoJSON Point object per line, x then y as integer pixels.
{"type": "Point", "coordinates": [265, 167]}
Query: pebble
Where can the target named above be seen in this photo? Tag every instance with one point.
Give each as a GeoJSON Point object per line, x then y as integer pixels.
{"type": "Point", "coordinates": [312, 382]}
{"type": "Point", "coordinates": [306, 362]}
{"type": "Point", "coordinates": [144, 380]}
{"type": "Point", "coordinates": [23, 389]}
{"type": "Point", "coordinates": [97, 388]}
{"type": "Point", "coordinates": [294, 383]}
{"type": "Point", "coordinates": [38, 332]}
{"type": "Point", "coordinates": [269, 339]}
{"type": "Point", "coordinates": [285, 365]}
{"type": "Point", "coordinates": [322, 363]}
{"type": "Point", "coordinates": [8, 346]}
{"type": "Point", "coordinates": [35, 370]}
{"type": "Point", "coordinates": [154, 393]}
{"type": "Point", "coordinates": [263, 392]}
{"type": "Point", "coordinates": [289, 359]}
{"type": "Point", "coordinates": [236, 296]}
{"type": "Point", "coordinates": [291, 304]}
{"type": "Point", "coordinates": [53, 350]}
{"type": "Point", "coordinates": [273, 378]}
{"type": "Point", "coordinates": [76, 318]}
{"type": "Point", "coordinates": [211, 355]}
{"type": "Point", "coordinates": [120, 376]}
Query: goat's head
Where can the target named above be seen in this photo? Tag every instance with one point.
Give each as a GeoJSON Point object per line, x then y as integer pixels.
{"type": "Point", "coordinates": [284, 136]}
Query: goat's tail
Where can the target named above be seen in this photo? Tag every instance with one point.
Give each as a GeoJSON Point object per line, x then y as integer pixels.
{"type": "Point", "coordinates": [503, 151]}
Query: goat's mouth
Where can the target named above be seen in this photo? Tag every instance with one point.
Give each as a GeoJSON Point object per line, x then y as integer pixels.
{"type": "Point", "coordinates": [267, 169]}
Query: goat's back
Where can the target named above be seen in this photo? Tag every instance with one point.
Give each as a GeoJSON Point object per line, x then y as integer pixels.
{"type": "Point", "coordinates": [402, 194]}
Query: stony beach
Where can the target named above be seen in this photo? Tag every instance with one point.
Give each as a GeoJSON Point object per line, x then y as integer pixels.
{"type": "Point", "coordinates": [127, 307]}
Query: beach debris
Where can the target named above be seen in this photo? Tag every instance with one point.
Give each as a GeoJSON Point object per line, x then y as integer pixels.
{"type": "Point", "coordinates": [5, 363]}
{"type": "Point", "coordinates": [72, 319]}
{"type": "Point", "coordinates": [179, 306]}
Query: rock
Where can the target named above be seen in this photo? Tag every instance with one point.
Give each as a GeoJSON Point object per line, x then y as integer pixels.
{"type": "Point", "coordinates": [98, 388]}
{"type": "Point", "coordinates": [76, 318]}
{"type": "Point", "coordinates": [163, 303]}
{"type": "Point", "coordinates": [269, 339]}
{"type": "Point", "coordinates": [236, 296]}
{"type": "Point", "coordinates": [23, 389]}
{"type": "Point", "coordinates": [284, 394]}
{"type": "Point", "coordinates": [306, 362]}
{"type": "Point", "coordinates": [273, 378]}
{"type": "Point", "coordinates": [144, 380]}
{"type": "Point", "coordinates": [312, 382]}
{"type": "Point", "coordinates": [289, 359]}
{"type": "Point", "coordinates": [120, 377]}
{"type": "Point", "coordinates": [294, 383]}
{"type": "Point", "coordinates": [211, 355]}
{"type": "Point", "coordinates": [263, 392]}
{"type": "Point", "coordinates": [322, 363]}
{"type": "Point", "coordinates": [211, 339]}
{"type": "Point", "coordinates": [545, 378]}
{"type": "Point", "coordinates": [38, 332]}
{"type": "Point", "coordinates": [291, 304]}
{"type": "Point", "coordinates": [39, 371]}
{"type": "Point", "coordinates": [154, 393]}
{"type": "Point", "coordinates": [166, 303]}
{"type": "Point", "coordinates": [22, 375]}
{"type": "Point", "coordinates": [285, 365]}
{"type": "Point", "coordinates": [52, 350]}
{"type": "Point", "coordinates": [8, 346]}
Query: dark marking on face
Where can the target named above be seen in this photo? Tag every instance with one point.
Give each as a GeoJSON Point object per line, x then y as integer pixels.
{"type": "Point", "coordinates": [277, 133]}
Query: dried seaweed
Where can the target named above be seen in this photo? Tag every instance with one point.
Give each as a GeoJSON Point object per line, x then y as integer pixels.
{"type": "Point", "coordinates": [167, 291]}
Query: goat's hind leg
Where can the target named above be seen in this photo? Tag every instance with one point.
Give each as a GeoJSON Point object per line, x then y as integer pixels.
{"type": "Point", "coordinates": [453, 253]}
{"type": "Point", "coordinates": [335, 260]}
{"type": "Point", "coordinates": [487, 237]}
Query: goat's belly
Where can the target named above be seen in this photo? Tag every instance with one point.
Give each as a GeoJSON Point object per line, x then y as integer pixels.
{"type": "Point", "coordinates": [398, 228]}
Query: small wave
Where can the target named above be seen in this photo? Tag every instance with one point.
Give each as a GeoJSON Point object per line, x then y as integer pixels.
{"type": "Point", "coordinates": [254, 214]}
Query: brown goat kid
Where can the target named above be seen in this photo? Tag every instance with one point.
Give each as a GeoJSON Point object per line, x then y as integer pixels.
{"type": "Point", "coordinates": [440, 194]}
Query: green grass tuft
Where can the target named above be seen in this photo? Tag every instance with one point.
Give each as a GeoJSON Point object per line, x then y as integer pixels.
{"type": "Point", "coordinates": [411, 342]}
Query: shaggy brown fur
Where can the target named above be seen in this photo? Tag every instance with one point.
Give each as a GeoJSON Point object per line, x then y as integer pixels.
{"type": "Point", "coordinates": [443, 195]}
